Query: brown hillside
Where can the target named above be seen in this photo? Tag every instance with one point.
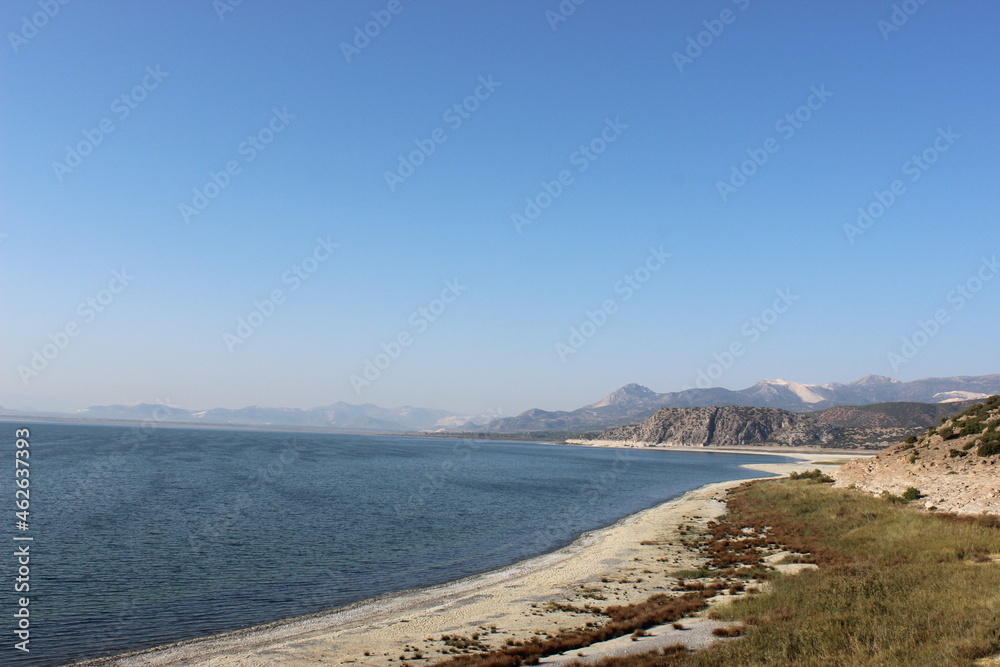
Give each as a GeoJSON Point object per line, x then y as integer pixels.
{"type": "Point", "coordinates": [956, 466]}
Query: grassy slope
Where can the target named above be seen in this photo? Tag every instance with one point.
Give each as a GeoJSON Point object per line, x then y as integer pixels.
{"type": "Point", "coordinates": [896, 586]}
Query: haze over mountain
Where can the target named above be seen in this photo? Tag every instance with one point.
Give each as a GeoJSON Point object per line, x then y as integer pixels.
{"type": "Point", "coordinates": [337, 416]}
{"type": "Point", "coordinates": [634, 403]}
{"type": "Point", "coordinates": [630, 404]}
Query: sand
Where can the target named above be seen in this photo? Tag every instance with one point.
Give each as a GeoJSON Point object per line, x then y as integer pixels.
{"type": "Point", "coordinates": [623, 563]}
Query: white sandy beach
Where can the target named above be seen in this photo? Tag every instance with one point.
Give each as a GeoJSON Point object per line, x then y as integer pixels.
{"type": "Point", "coordinates": [626, 562]}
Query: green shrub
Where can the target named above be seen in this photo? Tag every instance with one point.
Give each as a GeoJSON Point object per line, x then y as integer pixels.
{"type": "Point", "coordinates": [814, 475]}
{"type": "Point", "coordinates": [991, 436]}
{"type": "Point", "coordinates": [911, 494]}
{"type": "Point", "coordinates": [911, 440]}
{"type": "Point", "coordinates": [972, 427]}
{"type": "Point", "coordinates": [989, 449]}
{"type": "Point", "coordinates": [954, 453]}
{"type": "Point", "coordinates": [981, 409]}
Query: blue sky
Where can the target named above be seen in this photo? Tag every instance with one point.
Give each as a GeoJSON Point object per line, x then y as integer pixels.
{"type": "Point", "coordinates": [200, 90]}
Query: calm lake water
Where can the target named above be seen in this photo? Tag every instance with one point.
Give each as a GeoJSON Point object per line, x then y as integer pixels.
{"type": "Point", "coordinates": [146, 536]}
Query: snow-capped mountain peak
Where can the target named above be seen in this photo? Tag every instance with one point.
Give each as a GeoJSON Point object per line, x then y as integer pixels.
{"type": "Point", "coordinates": [806, 393]}
{"type": "Point", "coordinates": [956, 396]}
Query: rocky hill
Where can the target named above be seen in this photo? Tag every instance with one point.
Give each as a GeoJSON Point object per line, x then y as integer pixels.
{"type": "Point", "coordinates": [907, 416]}
{"type": "Point", "coordinates": [955, 466]}
{"type": "Point", "coordinates": [730, 426]}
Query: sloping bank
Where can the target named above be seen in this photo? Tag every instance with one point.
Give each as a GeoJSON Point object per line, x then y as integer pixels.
{"type": "Point", "coordinates": [895, 584]}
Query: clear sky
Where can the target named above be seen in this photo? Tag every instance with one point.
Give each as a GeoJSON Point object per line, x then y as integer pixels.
{"type": "Point", "coordinates": [205, 150]}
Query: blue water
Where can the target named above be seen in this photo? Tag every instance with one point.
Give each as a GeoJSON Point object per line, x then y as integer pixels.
{"type": "Point", "coordinates": [149, 535]}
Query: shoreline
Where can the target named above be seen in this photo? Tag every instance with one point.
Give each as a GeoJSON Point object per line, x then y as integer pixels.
{"type": "Point", "coordinates": [764, 450]}
{"type": "Point", "coordinates": [607, 566]}
{"type": "Point", "coordinates": [263, 428]}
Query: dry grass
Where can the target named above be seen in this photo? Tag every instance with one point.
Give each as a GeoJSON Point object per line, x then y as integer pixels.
{"type": "Point", "coordinates": [896, 586]}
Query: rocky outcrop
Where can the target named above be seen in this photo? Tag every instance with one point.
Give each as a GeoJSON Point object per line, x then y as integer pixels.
{"type": "Point", "coordinates": [729, 426]}
{"type": "Point", "coordinates": [955, 466]}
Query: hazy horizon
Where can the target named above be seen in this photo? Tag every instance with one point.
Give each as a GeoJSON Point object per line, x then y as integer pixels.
{"type": "Point", "coordinates": [22, 402]}
{"type": "Point", "coordinates": [492, 207]}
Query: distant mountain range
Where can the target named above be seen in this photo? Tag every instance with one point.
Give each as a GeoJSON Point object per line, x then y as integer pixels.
{"type": "Point", "coordinates": [630, 404]}
{"type": "Point", "coordinates": [335, 417]}
{"type": "Point", "coordinates": [634, 403]}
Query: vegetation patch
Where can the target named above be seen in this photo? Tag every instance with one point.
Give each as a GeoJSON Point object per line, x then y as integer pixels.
{"type": "Point", "coordinates": [895, 586]}
{"type": "Point", "coordinates": [622, 620]}
{"type": "Point", "coordinates": [814, 475]}
{"type": "Point", "coordinates": [989, 449]}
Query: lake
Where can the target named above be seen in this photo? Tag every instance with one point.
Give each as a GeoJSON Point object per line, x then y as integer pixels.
{"type": "Point", "coordinates": [147, 535]}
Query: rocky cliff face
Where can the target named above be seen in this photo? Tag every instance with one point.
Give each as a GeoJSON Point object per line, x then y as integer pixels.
{"type": "Point", "coordinates": [956, 466]}
{"type": "Point", "coordinates": [727, 427]}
